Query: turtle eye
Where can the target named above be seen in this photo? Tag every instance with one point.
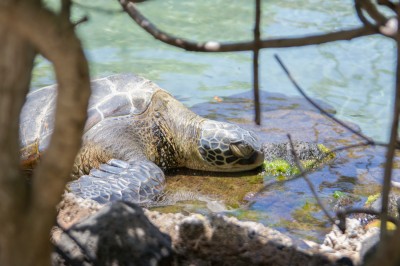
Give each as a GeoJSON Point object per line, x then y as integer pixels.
{"type": "Point", "coordinates": [241, 150]}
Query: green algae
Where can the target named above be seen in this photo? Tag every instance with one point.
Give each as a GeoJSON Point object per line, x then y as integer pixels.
{"type": "Point", "coordinates": [282, 168]}
{"type": "Point", "coordinates": [338, 194]}
{"type": "Point", "coordinates": [279, 167]}
{"type": "Point", "coordinates": [329, 155]}
{"type": "Point", "coordinates": [235, 189]}
{"type": "Point", "coordinates": [372, 198]}
{"type": "Point", "coordinates": [249, 215]}
{"type": "Point", "coordinates": [304, 219]}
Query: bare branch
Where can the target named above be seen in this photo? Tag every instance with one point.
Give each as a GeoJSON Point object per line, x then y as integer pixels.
{"type": "Point", "coordinates": [81, 20]}
{"type": "Point", "coordinates": [372, 11]}
{"type": "Point", "coordinates": [359, 134]}
{"type": "Point", "coordinates": [255, 62]}
{"type": "Point", "coordinates": [360, 14]}
{"type": "Point", "coordinates": [65, 9]}
{"type": "Point", "coordinates": [392, 146]}
{"type": "Point", "coordinates": [214, 46]}
{"type": "Point", "coordinates": [341, 214]}
{"type": "Point", "coordinates": [317, 163]}
{"type": "Point", "coordinates": [387, 3]}
{"type": "Point", "coordinates": [310, 185]}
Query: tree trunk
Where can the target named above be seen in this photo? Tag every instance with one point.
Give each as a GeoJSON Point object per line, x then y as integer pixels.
{"type": "Point", "coordinates": [16, 64]}
{"type": "Point", "coordinates": [27, 213]}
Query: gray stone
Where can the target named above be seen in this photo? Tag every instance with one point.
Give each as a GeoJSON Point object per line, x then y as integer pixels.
{"type": "Point", "coordinates": [118, 234]}
{"type": "Point", "coordinates": [304, 151]}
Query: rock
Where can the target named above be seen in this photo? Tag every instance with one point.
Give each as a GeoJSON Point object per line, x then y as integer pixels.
{"type": "Point", "coordinates": [124, 234]}
{"type": "Point", "coordinates": [118, 234]}
{"type": "Point", "coordinates": [221, 240]}
{"type": "Point", "coordinates": [304, 151]}
{"type": "Point", "coordinates": [354, 242]}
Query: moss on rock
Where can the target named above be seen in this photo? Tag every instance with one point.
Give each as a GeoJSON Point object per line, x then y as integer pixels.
{"type": "Point", "coordinates": [282, 163]}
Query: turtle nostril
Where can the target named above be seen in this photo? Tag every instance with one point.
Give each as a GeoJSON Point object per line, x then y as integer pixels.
{"type": "Point", "coordinates": [241, 150]}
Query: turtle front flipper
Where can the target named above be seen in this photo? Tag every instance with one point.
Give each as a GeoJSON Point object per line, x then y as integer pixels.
{"type": "Point", "coordinates": [135, 181]}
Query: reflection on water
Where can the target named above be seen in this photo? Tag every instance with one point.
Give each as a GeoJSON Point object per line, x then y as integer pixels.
{"type": "Point", "coordinates": [355, 78]}
{"type": "Point", "coordinates": [289, 205]}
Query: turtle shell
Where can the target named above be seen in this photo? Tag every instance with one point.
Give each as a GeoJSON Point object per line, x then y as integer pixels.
{"type": "Point", "coordinates": [113, 96]}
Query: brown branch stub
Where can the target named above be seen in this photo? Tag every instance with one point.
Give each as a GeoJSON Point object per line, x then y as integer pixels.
{"type": "Point", "coordinates": [81, 20]}
{"type": "Point", "coordinates": [66, 9]}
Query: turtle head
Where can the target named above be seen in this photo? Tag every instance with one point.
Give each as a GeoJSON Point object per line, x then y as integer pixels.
{"type": "Point", "coordinates": [227, 147]}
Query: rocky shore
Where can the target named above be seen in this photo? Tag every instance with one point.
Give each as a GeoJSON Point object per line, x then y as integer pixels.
{"type": "Point", "coordinates": [125, 234]}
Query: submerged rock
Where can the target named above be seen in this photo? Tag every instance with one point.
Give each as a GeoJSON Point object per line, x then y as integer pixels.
{"type": "Point", "coordinates": [304, 151]}
{"type": "Point", "coordinates": [280, 160]}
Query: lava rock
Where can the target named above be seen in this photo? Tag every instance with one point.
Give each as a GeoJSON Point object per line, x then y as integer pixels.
{"type": "Point", "coordinates": [118, 234]}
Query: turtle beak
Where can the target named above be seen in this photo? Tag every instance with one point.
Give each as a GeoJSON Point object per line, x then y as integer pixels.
{"type": "Point", "coordinates": [241, 150]}
{"type": "Point", "coordinates": [247, 154]}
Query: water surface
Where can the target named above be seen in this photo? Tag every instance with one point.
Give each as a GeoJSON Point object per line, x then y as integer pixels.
{"type": "Point", "coordinates": [355, 77]}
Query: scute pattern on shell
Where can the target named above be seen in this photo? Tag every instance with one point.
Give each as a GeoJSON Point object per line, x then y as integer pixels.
{"type": "Point", "coordinates": [37, 117]}
{"type": "Point", "coordinates": [216, 138]}
{"type": "Point", "coordinates": [117, 96]}
{"type": "Point", "coordinates": [114, 96]}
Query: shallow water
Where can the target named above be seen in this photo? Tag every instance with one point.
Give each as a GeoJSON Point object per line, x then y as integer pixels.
{"type": "Point", "coordinates": [355, 78]}
{"type": "Point", "coordinates": [289, 205]}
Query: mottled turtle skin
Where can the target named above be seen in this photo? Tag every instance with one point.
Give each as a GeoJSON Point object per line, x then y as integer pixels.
{"type": "Point", "coordinates": [134, 131]}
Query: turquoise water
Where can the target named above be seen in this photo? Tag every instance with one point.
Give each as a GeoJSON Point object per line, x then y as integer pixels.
{"type": "Point", "coordinates": [355, 77]}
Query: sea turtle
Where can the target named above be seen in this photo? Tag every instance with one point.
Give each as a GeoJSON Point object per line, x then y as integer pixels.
{"type": "Point", "coordinates": [134, 131]}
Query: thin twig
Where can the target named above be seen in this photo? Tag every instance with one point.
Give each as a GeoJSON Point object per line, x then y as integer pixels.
{"type": "Point", "coordinates": [372, 11]}
{"type": "Point", "coordinates": [309, 183]}
{"type": "Point", "coordinates": [65, 9]}
{"type": "Point", "coordinates": [360, 14]}
{"type": "Point", "coordinates": [392, 146]}
{"type": "Point", "coordinates": [342, 213]}
{"type": "Point", "coordinates": [387, 3]}
{"type": "Point", "coordinates": [314, 166]}
{"type": "Point", "coordinates": [214, 46]}
{"type": "Point", "coordinates": [255, 63]}
{"type": "Point", "coordinates": [301, 91]}
{"type": "Point", "coordinates": [80, 21]}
